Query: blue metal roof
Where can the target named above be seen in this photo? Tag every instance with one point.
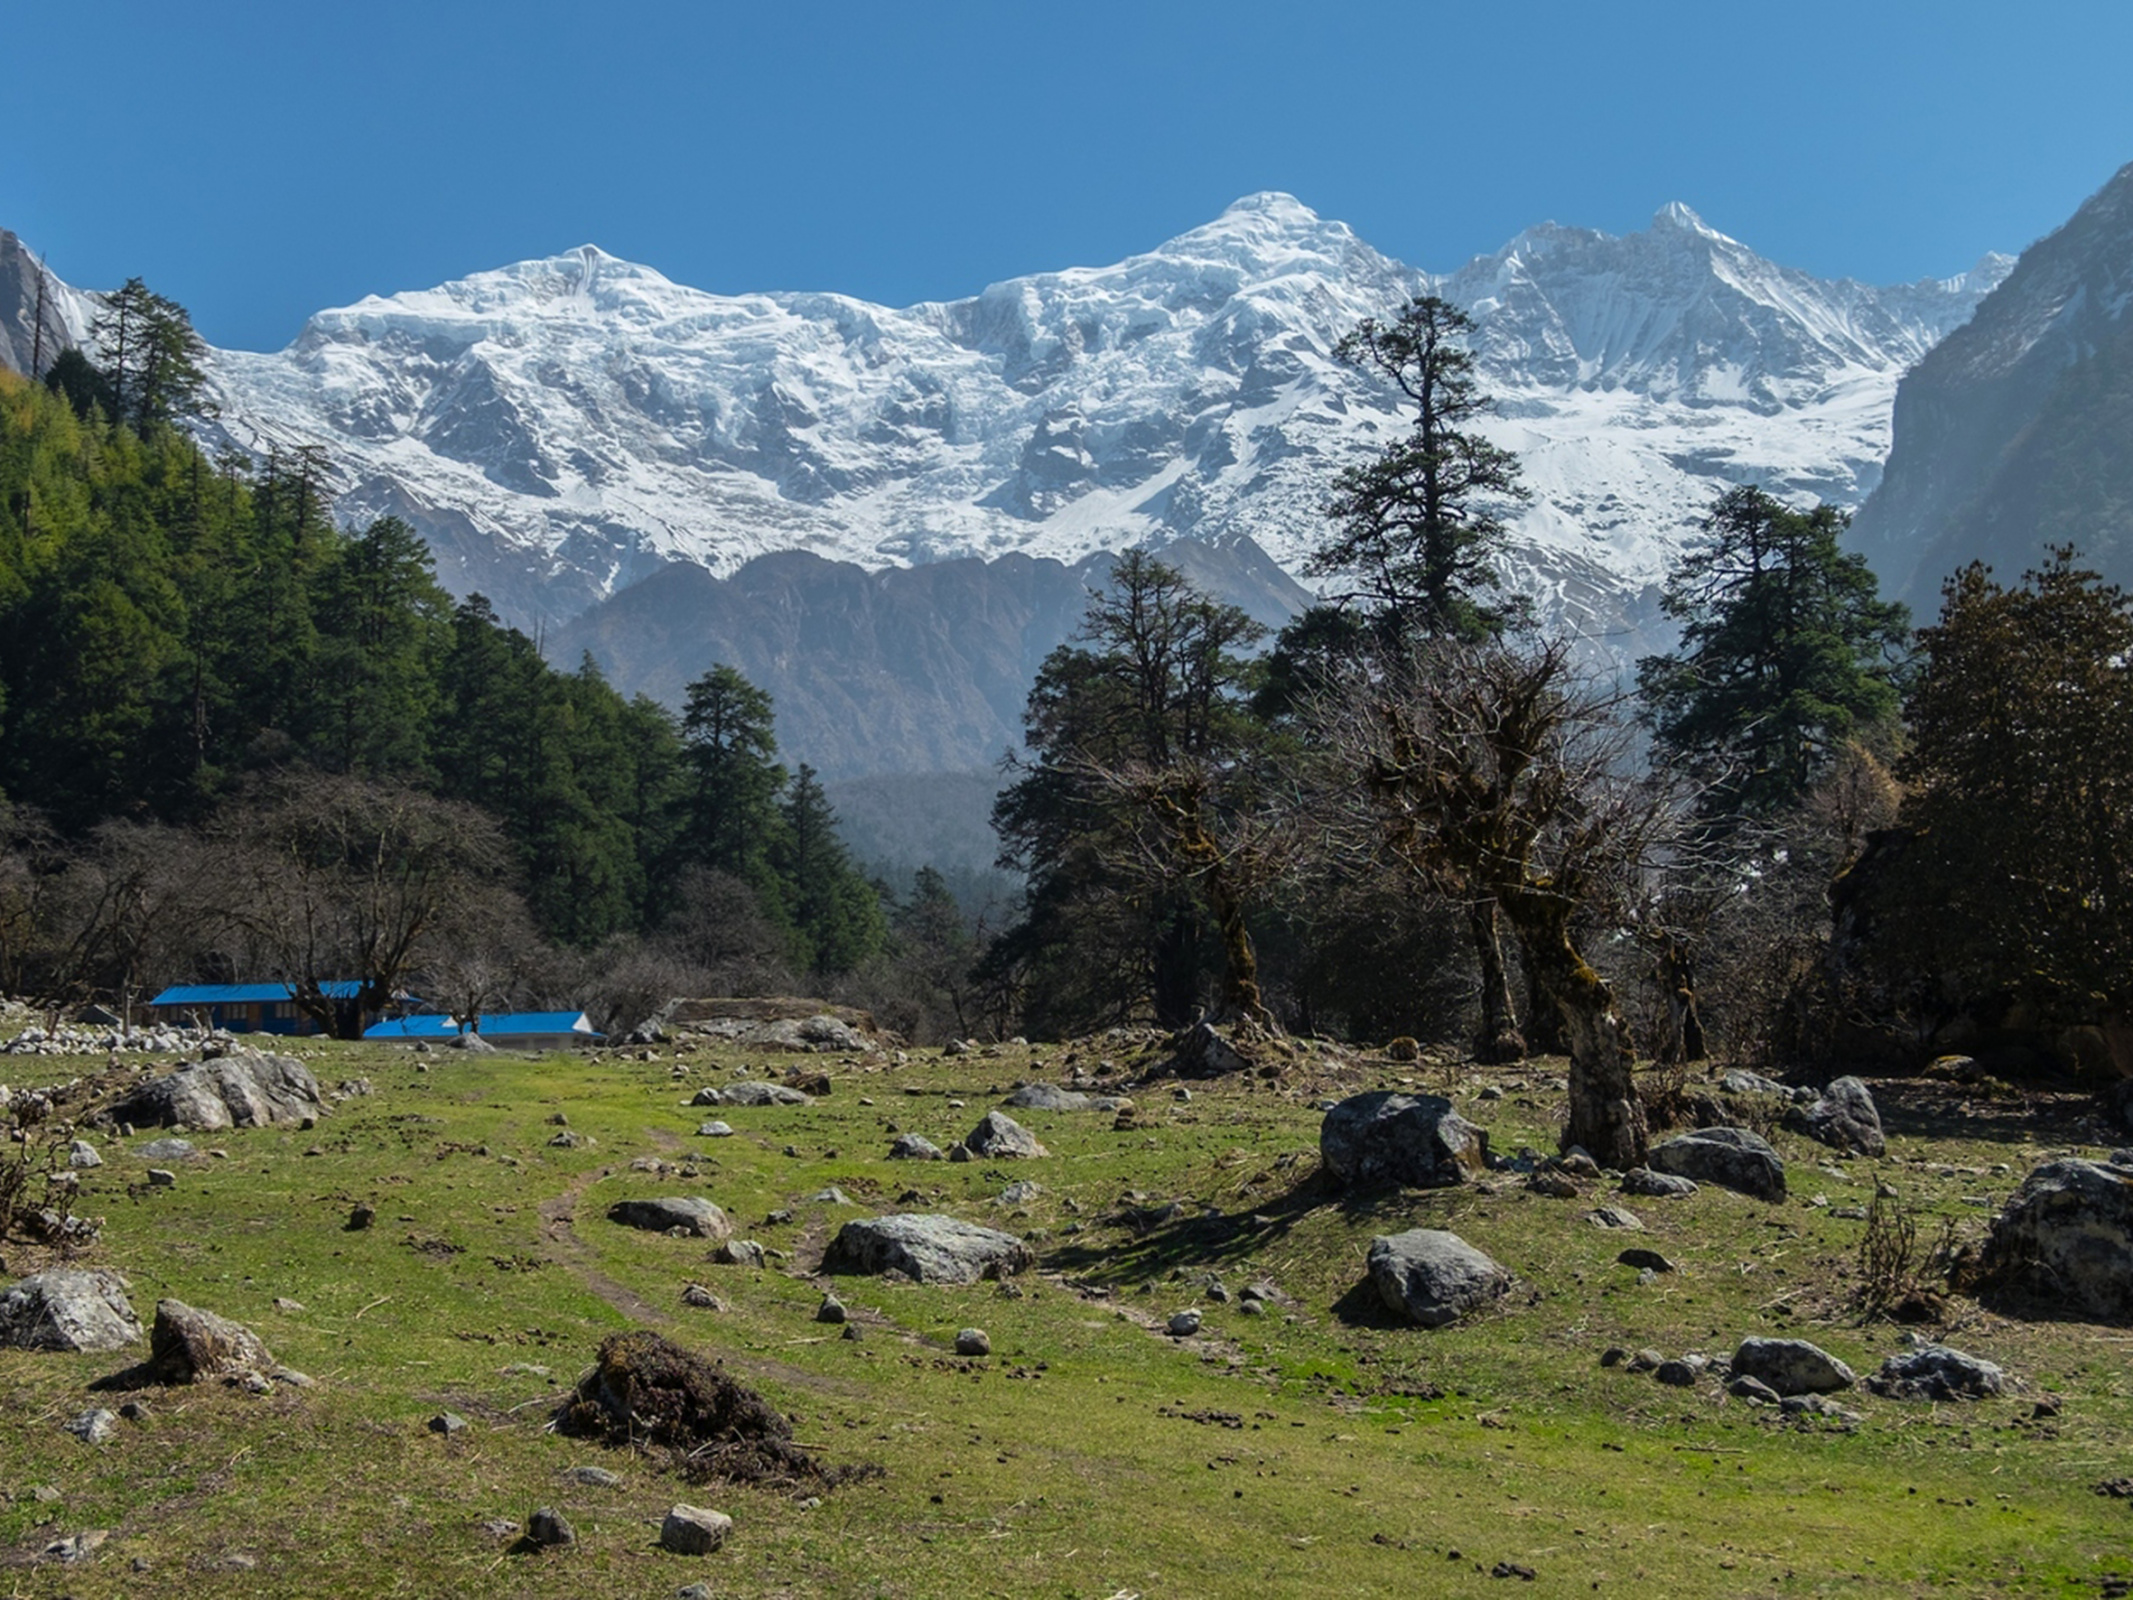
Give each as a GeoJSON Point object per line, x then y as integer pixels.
{"type": "Point", "coordinates": [240, 994]}
{"type": "Point", "coordinates": [492, 1026]}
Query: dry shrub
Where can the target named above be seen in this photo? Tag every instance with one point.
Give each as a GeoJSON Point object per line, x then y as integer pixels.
{"type": "Point", "coordinates": [689, 1417]}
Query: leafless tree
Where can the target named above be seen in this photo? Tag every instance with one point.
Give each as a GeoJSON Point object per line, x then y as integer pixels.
{"type": "Point", "coordinates": [1497, 770]}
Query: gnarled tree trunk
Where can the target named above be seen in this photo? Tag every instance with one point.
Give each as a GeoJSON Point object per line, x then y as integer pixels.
{"type": "Point", "coordinates": [1499, 1039]}
{"type": "Point", "coordinates": [1606, 1118]}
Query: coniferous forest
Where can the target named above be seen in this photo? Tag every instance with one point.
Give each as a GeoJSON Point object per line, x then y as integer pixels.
{"type": "Point", "coordinates": [237, 740]}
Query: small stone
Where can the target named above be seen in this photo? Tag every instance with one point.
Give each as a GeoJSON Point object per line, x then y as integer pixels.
{"type": "Point", "coordinates": [831, 1310]}
{"type": "Point", "coordinates": [695, 1294]}
{"type": "Point", "coordinates": [81, 1154]}
{"type": "Point", "coordinates": [448, 1423]}
{"type": "Point", "coordinates": [714, 1129]}
{"type": "Point", "coordinates": [1184, 1324]}
{"type": "Point", "coordinates": [548, 1526]}
{"type": "Point", "coordinates": [853, 1333]}
{"type": "Point", "coordinates": [594, 1477]}
{"type": "Point", "coordinates": [1747, 1388]}
{"type": "Point", "coordinates": [1613, 1356]}
{"type": "Point", "coordinates": [693, 1531]}
{"type": "Point", "coordinates": [1645, 1260]}
{"type": "Point", "coordinates": [973, 1342]}
{"type": "Point", "coordinates": [1615, 1217]}
{"type": "Point", "coordinates": [45, 1494]}
{"type": "Point", "coordinates": [360, 1218]}
{"type": "Point", "coordinates": [1646, 1360]}
{"type": "Point", "coordinates": [135, 1411]}
{"type": "Point", "coordinates": [288, 1307]}
{"type": "Point", "coordinates": [162, 1178]}
{"type": "Point", "coordinates": [1675, 1374]}
{"type": "Point", "coordinates": [93, 1426]}
{"type": "Point", "coordinates": [1252, 1308]}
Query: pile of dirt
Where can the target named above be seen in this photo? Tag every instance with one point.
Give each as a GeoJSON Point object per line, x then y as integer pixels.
{"type": "Point", "coordinates": [688, 1416]}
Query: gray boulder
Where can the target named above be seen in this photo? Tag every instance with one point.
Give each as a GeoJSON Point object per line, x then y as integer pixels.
{"type": "Point", "coordinates": [930, 1249]}
{"type": "Point", "coordinates": [2067, 1235]}
{"type": "Point", "coordinates": [1791, 1366]}
{"type": "Point", "coordinates": [739, 1253]}
{"type": "Point", "coordinates": [1047, 1097]}
{"type": "Point", "coordinates": [914, 1147]}
{"type": "Point", "coordinates": [1416, 1140]}
{"type": "Point", "coordinates": [694, 1531]}
{"type": "Point", "coordinates": [1844, 1118]}
{"type": "Point", "coordinates": [1732, 1158]}
{"type": "Point", "coordinates": [753, 1094]}
{"type": "Point", "coordinates": [1935, 1372]}
{"type": "Point", "coordinates": [1754, 1084]}
{"type": "Point", "coordinates": [188, 1345]}
{"type": "Point", "coordinates": [69, 1309]}
{"type": "Point", "coordinates": [1656, 1185]}
{"type": "Point", "coordinates": [243, 1089]}
{"type": "Point", "coordinates": [167, 1150]}
{"type": "Point", "coordinates": [998, 1135]}
{"type": "Point", "coordinates": [1432, 1277]}
{"type": "Point", "coordinates": [665, 1213]}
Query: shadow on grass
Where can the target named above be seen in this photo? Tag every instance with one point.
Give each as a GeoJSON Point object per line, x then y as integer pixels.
{"type": "Point", "coordinates": [1916, 1108]}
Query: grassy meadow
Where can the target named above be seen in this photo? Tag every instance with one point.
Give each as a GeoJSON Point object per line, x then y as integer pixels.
{"type": "Point", "coordinates": [1318, 1449]}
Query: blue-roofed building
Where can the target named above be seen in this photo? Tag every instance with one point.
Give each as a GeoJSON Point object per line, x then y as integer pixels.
{"type": "Point", "coordinates": [245, 1007]}
{"type": "Point", "coordinates": [508, 1030]}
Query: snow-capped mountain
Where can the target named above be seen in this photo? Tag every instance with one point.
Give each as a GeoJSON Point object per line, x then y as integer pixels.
{"type": "Point", "coordinates": [562, 428]}
{"type": "Point", "coordinates": [30, 295]}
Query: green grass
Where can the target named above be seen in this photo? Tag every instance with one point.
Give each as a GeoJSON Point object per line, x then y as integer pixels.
{"type": "Point", "coordinates": [1320, 1449]}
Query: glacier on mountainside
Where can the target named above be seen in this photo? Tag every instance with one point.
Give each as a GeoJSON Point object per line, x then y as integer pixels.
{"type": "Point", "coordinates": [561, 428]}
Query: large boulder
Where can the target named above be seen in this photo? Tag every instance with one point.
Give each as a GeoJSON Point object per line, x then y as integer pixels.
{"type": "Point", "coordinates": [998, 1135]}
{"type": "Point", "coordinates": [665, 1213]}
{"type": "Point", "coordinates": [69, 1309]}
{"type": "Point", "coordinates": [243, 1089]}
{"type": "Point", "coordinates": [1432, 1277]}
{"type": "Point", "coordinates": [2067, 1234]}
{"type": "Point", "coordinates": [1732, 1158]}
{"type": "Point", "coordinates": [188, 1345]}
{"type": "Point", "coordinates": [930, 1249]}
{"type": "Point", "coordinates": [1844, 1118]}
{"type": "Point", "coordinates": [1417, 1140]}
{"type": "Point", "coordinates": [751, 1094]}
{"type": "Point", "coordinates": [1791, 1366]}
{"type": "Point", "coordinates": [1935, 1372]}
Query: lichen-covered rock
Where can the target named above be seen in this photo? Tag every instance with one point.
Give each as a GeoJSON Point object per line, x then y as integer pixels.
{"type": "Point", "coordinates": [1047, 1097]}
{"type": "Point", "coordinates": [1844, 1118]}
{"type": "Point", "coordinates": [2067, 1235]}
{"type": "Point", "coordinates": [1791, 1366]}
{"type": "Point", "coordinates": [1433, 1277]}
{"type": "Point", "coordinates": [694, 1531]}
{"type": "Point", "coordinates": [1656, 1185]}
{"type": "Point", "coordinates": [664, 1213]}
{"type": "Point", "coordinates": [69, 1309]}
{"type": "Point", "coordinates": [1416, 1140]}
{"type": "Point", "coordinates": [998, 1135]}
{"type": "Point", "coordinates": [914, 1147]}
{"type": "Point", "coordinates": [1732, 1158]}
{"type": "Point", "coordinates": [751, 1094]}
{"type": "Point", "coordinates": [242, 1089]}
{"type": "Point", "coordinates": [1936, 1372]}
{"type": "Point", "coordinates": [931, 1249]}
{"type": "Point", "coordinates": [188, 1345]}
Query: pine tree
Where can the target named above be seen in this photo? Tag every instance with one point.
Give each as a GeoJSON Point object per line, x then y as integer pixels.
{"type": "Point", "coordinates": [1787, 650]}
{"type": "Point", "coordinates": [1419, 522]}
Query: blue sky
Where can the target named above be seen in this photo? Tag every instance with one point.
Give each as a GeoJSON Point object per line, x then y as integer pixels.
{"type": "Point", "coordinates": [261, 160]}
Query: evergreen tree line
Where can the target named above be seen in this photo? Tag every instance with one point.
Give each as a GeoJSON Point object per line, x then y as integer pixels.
{"type": "Point", "coordinates": [180, 637]}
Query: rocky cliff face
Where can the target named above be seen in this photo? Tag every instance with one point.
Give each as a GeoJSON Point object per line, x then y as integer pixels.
{"type": "Point", "coordinates": [2011, 435]}
{"type": "Point", "coordinates": [66, 312]}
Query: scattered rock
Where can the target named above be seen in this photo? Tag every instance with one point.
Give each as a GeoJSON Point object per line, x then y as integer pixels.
{"type": "Point", "coordinates": [696, 1296]}
{"type": "Point", "coordinates": [93, 1426]}
{"type": "Point", "coordinates": [714, 1129]}
{"type": "Point", "coordinates": [914, 1147]}
{"type": "Point", "coordinates": [242, 1089]}
{"type": "Point", "coordinates": [69, 1308]}
{"type": "Point", "coordinates": [81, 1155]}
{"type": "Point", "coordinates": [831, 1310]}
{"type": "Point", "coordinates": [832, 1196]}
{"type": "Point", "coordinates": [1555, 1185]}
{"type": "Point", "coordinates": [1844, 1118]}
{"type": "Point", "coordinates": [1754, 1084]}
{"type": "Point", "coordinates": [1184, 1324]}
{"type": "Point", "coordinates": [1047, 1097]}
{"type": "Point", "coordinates": [998, 1136]}
{"type": "Point", "coordinates": [162, 1178]}
{"type": "Point", "coordinates": [738, 1253]}
{"type": "Point", "coordinates": [593, 1477]}
{"type": "Point", "coordinates": [1645, 1260]}
{"type": "Point", "coordinates": [666, 1213]}
{"type": "Point", "coordinates": [973, 1342]}
{"type": "Point", "coordinates": [1936, 1372]}
{"type": "Point", "coordinates": [1791, 1366]}
{"type": "Point", "coordinates": [1205, 1051]}
{"type": "Point", "coordinates": [752, 1094]}
{"type": "Point", "coordinates": [1732, 1158]}
{"type": "Point", "coordinates": [693, 1531]}
{"type": "Point", "coordinates": [448, 1423]}
{"type": "Point", "coordinates": [1615, 1217]}
{"type": "Point", "coordinates": [1418, 1141]}
{"type": "Point", "coordinates": [78, 1547]}
{"type": "Point", "coordinates": [187, 1345]}
{"type": "Point", "coordinates": [1680, 1373]}
{"type": "Point", "coordinates": [547, 1526]}
{"type": "Point", "coordinates": [1016, 1194]}
{"type": "Point", "coordinates": [359, 1218]}
{"type": "Point", "coordinates": [930, 1249]}
{"type": "Point", "coordinates": [1747, 1388]}
{"type": "Point", "coordinates": [1432, 1277]}
{"type": "Point", "coordinates": [1656, 1185]}
{"type": "Point", "coordinates": [2067, 1236]}
{"type": "Point", "coordinates": [167, 1150]}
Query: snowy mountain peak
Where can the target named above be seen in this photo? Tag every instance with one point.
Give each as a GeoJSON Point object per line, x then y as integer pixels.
{"type": "Point", "coordinates": [561, 427]}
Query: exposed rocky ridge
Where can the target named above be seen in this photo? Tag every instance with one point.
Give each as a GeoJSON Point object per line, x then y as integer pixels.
{"type": "Point", "coordinates": [2009, 437]}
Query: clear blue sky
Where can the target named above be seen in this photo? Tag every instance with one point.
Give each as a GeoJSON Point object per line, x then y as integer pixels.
{"type": "Point", "coordinates": [261, 160]}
